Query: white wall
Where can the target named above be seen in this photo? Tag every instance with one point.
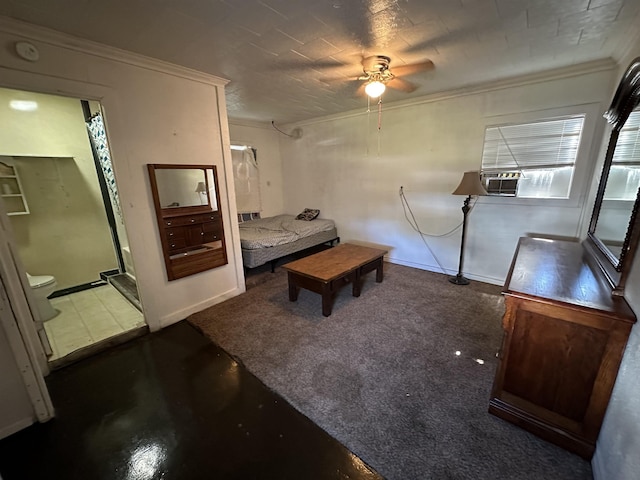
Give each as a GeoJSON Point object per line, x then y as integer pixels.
{"type": "Point", "coordinates": [352, 172]}
{"type": "Point", "coordinates": [265, 139]}
{"type": "Point", "coordinates": [154, 113]}
{"type": "Point", "coordinates": [617, 454]}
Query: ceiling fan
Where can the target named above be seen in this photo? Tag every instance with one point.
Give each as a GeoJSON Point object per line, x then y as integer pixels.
{"type": "Point", "coordinates": [377, 75]}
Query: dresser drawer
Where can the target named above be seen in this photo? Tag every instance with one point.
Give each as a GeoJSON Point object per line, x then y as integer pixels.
{"type": "Point", "coordinates": [191, 219]}
{"type": "Point", "coordinates": [174, 233]}
{"type": "Point", "coordinates": [210, 217]}
{"type": "Point", "coordinates": [176, 243]}
{"type": "Point", "coordinates": [211, 236]}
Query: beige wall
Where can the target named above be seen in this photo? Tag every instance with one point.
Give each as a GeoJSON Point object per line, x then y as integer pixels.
{"type": "Point", "coordinates": [66, 233]}
{"type": "Point", "coordinates": [154, 113]}
{"type": "Point", "coordinates": [353, 173]}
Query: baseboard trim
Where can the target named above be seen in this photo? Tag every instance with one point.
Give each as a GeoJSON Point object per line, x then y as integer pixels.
{"type": "Point", "coordinates": [77, 288]}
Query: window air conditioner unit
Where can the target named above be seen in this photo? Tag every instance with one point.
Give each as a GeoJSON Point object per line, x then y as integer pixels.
{"type": "Point", "coordinates": [504, 183]}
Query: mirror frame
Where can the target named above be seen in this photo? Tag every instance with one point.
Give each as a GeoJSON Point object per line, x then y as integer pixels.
{"type": "Point", "coordinates": [172, 211]}
{"type": "Point", "coordinates": [616, 270]}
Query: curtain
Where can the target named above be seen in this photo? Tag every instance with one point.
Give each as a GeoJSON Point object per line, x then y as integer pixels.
{"type": "Point", "coordinates": [247, 180]}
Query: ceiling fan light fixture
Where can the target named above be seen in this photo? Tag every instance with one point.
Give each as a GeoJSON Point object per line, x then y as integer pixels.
{"type": "Point", "coordinates": [375, 89]}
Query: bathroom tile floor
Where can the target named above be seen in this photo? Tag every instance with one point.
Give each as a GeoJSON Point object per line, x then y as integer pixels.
{"type": "Point", "coordinates": [88, 317]}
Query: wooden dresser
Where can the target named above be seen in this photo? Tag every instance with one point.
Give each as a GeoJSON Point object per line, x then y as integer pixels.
{"type": "Point", "coordinates": [564, 336]}
{"type": "Point", "coordinates": [193, 243]}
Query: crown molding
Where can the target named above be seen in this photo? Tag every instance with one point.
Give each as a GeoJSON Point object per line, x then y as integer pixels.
{"type": "Point", "coordinates": [606, 64]}
{"type": "Point", "coordinates": [240, 122]}
{"type": "Point", "coordinates": [35, 33]}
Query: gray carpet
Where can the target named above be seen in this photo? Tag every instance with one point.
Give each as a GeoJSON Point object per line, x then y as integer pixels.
{"type": "Point", "coordinates": [382, 376]}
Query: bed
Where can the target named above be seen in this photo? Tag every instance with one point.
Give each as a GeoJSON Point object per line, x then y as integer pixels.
{"type": "Point", "coordinates": [269, 239]}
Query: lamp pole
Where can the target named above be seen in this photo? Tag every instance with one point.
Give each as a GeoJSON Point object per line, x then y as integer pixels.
{"type": "Point", "coordinates": [469, 185]}
{"type": "Point", "coordinates": [459, 279]}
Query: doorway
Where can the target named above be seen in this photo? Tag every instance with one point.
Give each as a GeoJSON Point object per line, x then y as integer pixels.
{"type": "Point", "coordinates": [71, 229]}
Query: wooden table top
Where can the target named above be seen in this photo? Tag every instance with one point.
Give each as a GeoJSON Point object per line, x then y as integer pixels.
{"type": "Point", "coordinates": [334, 262]}
{"type": "Point", "coordinates": [557, 270]}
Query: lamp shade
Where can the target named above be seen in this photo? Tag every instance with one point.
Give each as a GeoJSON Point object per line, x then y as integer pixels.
{"type": "Point", "coordinates": [201, 188]}
{"type": "Point", "coordinates": [375, 89]}
{"type": "Point", "coordinates": [470, 185]}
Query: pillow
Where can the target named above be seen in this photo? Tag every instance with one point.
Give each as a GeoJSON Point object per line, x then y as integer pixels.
{"type": "Point", "coordinates": [308, 214]}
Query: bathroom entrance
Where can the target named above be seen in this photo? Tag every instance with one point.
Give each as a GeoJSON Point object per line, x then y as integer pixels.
{"type": "Point", "coordinates": [66, 219]}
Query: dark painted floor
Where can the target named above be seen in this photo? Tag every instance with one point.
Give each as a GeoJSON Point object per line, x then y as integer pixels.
{"type": "Point", "coordinates": [171, 405]}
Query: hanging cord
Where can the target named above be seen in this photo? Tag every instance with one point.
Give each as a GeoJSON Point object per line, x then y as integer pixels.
{"type": "Point", "coordinates": [414, 224]}
{"type": "Point", "coordinates": [379, 122]}
{"type": "Point", "coordinates": [273, 123]}
{"type": "Point", "coordinates": [368, 125]}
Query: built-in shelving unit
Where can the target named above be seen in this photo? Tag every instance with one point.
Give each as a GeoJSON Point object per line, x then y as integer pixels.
{"type": "Point", "coordinates": [11, 191]}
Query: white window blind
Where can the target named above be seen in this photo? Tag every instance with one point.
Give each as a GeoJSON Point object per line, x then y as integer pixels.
{"type": "Point", "coordinates": [543, 144]}
{"type": "Point", "coordinates": [624, 176]}
{"type": "Point", "coordinates": [627, 150]}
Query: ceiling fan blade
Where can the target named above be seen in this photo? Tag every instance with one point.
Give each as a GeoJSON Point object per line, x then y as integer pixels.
{"type": "Point", "coordinates": [401, 84]}
{"type": "Point", "coordinates": [404, 70]}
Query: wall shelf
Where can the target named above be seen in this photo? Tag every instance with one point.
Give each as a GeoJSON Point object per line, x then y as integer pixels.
{"type": "Point", "coordinates": [11, 191]}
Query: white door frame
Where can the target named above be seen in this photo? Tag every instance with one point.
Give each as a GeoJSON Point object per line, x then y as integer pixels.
{"type": "Point", "coordinates": [18, 323]}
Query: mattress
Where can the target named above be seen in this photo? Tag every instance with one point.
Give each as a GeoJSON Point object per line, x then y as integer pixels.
{"type": "Point", "coordinates": [255, 257]}
{"type": "Point", "coordinates": [270, 238]}
{"type": "Point", "coordinates": [279, 230]}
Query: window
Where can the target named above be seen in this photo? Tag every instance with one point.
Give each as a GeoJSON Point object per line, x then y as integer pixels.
{"type": "Point", "coordinates": [534, 160]}
{"type": "Point", "coordinates": [624, 176]}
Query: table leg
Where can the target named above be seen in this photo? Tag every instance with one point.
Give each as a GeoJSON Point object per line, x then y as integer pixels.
{"type": "Point", "coordinates": [379, 272]}
{"type": "Point", "coordinates": [293, 288]}
{"type": "Point", "coordinates": [327, 300]}
{"type": "Point", "coordinates": [357, 283]}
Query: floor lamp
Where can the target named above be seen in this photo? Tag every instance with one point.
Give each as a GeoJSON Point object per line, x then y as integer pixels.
{"type": "Point", "coordinates": [469, 185]}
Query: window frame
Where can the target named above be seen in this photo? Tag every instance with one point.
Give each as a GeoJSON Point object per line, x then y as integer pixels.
{"type": "Point", "coordinates": [593, 128]}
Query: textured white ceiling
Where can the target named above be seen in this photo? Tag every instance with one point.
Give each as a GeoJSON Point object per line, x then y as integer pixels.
{"type": "Point", "coordinates": [283, 57]}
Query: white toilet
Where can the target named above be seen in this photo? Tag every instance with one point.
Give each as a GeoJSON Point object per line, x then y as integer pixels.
{"type": "Point", "coordinates": [42, 286]}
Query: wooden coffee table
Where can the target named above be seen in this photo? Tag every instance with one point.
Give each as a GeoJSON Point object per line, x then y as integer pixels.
{"type": "Point", "coordinates": [327, 271]}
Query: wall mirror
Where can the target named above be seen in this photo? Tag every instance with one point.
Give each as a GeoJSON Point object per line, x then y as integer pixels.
{"type": "Point", "coordinates": [186, 199]}
{"type": "Point", "coordinates": [614, 229]}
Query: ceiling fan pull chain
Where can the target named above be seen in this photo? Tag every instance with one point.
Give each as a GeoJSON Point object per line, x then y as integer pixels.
{"type": "Point", "coordinates": [379, 122]}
